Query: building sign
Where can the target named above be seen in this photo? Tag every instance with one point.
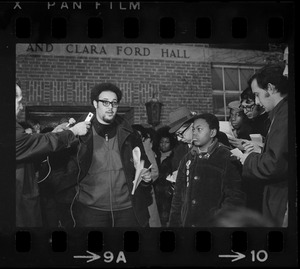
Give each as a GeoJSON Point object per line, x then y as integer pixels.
{"type": "Point", "coordinates": [167, 52]}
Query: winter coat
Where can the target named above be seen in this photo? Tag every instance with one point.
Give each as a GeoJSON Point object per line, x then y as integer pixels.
{"type": "Point", "coordinates": [30, 149]}
{"type": "Point", "coordinates": [79, 165]}
{"type": "Point", "coordinates": [205, 185]}
{"type": "Point", "coordinates": [271, 166]}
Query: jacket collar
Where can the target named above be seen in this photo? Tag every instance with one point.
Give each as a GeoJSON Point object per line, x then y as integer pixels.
{"type": "Point", "coordinates": [123, 129]}
{"type": "Point", "coordinates": [277, 108]}
{"type": "Point", "coordinates": [206, 154]}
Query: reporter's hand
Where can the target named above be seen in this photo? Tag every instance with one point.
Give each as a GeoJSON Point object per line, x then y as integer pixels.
{"type": "Point", "coordinates": [251, 147]}
{"type": "Point", "coordinates": [60, 128]}
{"type": "Point", "coordinates": [72, 121]}
{"type": "Point", "coordinates": [81, 128]}
{"type": "Point", "coordinates": [237, 143]}
{"type": "Point", "coordinates": [146, 175]}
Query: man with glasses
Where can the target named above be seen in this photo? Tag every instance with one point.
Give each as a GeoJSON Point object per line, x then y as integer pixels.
{"type": "Point", "coordinates": [259, 119]}
{"type": "Point", "coordinates": [179, 125]}
{"type": "Point", "coordinates": [104, 169]}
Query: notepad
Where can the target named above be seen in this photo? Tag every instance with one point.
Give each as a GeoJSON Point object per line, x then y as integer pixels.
{"type": "Point", "coordinates": [225, 127]}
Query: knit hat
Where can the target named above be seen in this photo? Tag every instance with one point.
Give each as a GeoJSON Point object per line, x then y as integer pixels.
{"type": "Point", "coordinates": [178, 117]}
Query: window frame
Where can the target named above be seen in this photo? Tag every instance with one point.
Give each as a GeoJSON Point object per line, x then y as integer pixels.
{"type": "Point", "coordinates": [223, 92]}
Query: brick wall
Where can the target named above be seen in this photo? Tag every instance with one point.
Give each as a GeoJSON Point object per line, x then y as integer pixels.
{"type": "Point", "coordinates": [67, 80]}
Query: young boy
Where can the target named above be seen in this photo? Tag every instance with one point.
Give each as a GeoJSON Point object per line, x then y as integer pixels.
{"type": "Point", "coordinates": [208, 179]}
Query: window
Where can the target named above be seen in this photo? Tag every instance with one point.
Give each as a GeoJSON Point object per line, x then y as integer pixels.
{"type": "Point", "coordinates": [228, 82]}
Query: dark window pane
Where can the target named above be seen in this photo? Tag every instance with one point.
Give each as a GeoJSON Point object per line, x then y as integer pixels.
{"type": "Point", "coordinates": [217, 83]}
{"type": "Point", "coordinates": [218, 104]}
{"type": "Point", "coordinates": [231, 79]}
{"type": "Point", "coordinates": [245, 76]}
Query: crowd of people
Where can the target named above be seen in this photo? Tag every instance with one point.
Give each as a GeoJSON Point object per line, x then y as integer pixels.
{"type": "Point", "coordinates": [108, 173]}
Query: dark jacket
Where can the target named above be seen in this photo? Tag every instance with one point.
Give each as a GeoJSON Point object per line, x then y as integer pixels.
{"type": "Point", "coordinates": [163, 188]}
{"type": "Point", "coordinates": [271, 166]}
{"type": "Point", "coordinates": [205, 185]}
{"type": "Point", "coordinates": [245, 130]}
{"type": "Point", "coordinates": [29, 149]}
{"type": "Point", "coordinates": [261, 124]}
{"type": "Point", "coordinates": [180, 150]}
{"type": "Point", "coordinates": [79, 165]}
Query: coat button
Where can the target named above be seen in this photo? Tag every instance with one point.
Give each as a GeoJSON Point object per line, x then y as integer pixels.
{"type": "Point", "coordinates": [194, 202]}
{"type": "Point", "coordinates": [196, 177]}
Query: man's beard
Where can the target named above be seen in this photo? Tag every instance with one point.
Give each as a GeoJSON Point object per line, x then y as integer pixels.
{"type": "Point", "coordinates": [110, 120]}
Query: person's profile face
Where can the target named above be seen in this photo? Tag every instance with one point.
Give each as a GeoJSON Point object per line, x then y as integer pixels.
{"type": "Point", "coordinates": [105, 110]}
{"type": "Point", "coordinates": [19, 97]}
{"type": "Point", "coordinates": [184, 133]}
{"type": "Point", "coordinates": [202, 134]}
{"type": "Point", "coordinates": [236, 118]}
{"type": "Point", "coordinates": [250, 108]}
{"type": "Point", "coordinates": [286, 60]}
{"type": "Point", "coordinates": [262, 97]}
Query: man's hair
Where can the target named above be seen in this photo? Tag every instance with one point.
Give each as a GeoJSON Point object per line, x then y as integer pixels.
{"type": "Point", "coordinates": [146, 132]}
{"type": "Point", "coordinates": [98, 88]}
{"type": "Point", "coordinates": [272, 73]}
{"type": "Point", "coordinates": [211, 120]}
{"type": "Point", "coordinates": [247, 94]}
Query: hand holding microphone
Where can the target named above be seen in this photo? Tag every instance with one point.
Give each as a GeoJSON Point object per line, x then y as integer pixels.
{"type": "Point", "coordinates": [81, 128]}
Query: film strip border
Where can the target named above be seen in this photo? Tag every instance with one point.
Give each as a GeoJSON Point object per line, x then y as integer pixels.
{"type": "Point", "coordinates": [163, 22]}
{"type": "Point", "coordinates": [275, 27]}
{"type": "Point", "coordinates": [156, 247]}
{"type": "Point", "coordinates": [232, 23]}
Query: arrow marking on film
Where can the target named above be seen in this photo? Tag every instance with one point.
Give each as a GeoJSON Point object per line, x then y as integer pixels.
{"type": "Point", "coordinates": [237, 256]}
{"type": "Point", "coordinates": [92, 258]}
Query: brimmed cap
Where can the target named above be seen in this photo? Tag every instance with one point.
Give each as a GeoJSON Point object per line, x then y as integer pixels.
{"type": "Point", "coordinates": [178, 117]}
{"type": "Point", "coordinates": [235, 105]}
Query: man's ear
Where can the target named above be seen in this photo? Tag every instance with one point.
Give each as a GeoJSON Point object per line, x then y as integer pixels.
{"type": "Point", "coordinates": [95, 104]}
{"type": "Point", "coordinates": [271, 88]}
{"type": "Point", "coordinates": [213, 133]}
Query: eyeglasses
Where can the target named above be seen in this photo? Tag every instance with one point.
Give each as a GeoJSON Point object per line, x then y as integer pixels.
{"type": "Point", "coordinates": [107, 103]}
{"type": "Point", "coordinates": [180, 134]}
{"type": "Point", "coordinates": [248, 108]}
